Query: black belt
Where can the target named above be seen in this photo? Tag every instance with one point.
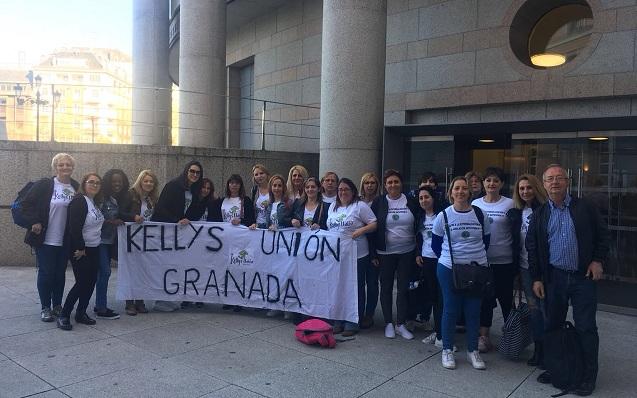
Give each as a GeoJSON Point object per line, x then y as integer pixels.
{"type": "Point", "coordinates": [566, 271]}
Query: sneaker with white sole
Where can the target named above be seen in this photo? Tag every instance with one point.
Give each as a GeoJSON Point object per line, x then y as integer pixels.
{"type": "Point", "coordinates": [476, 361]}
{"type": "Point", "coordinates": [484, 344]}
{"type": "Point", "coordinates": [390, 332]}
{"type": "Point", "coordinates": [402, 331]}
{"type": "Point", "coordinates": [448, 359]}
{"type": "Point", "coordinates": [431, 339]}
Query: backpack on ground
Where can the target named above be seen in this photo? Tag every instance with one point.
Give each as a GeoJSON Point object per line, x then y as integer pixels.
{"type": "Point", "coordinates": [315, 332]}
{"type": "Point", "coordinates": [564, 358]}
{"type": "Point", "coordinates": [16, 206]}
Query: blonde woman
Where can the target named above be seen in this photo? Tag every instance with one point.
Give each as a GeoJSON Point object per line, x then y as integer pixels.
{"type": "Point", "coordinates": [296, 177]}
{"type": "Point", "coordinates": [260, 193]}
{"type": "Point", "coordinates": [369, 188]}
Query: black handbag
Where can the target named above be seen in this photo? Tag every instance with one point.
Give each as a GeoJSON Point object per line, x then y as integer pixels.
{"type": "Point", "coordinates": [471, 279]}
{"type": "Point", "coordinates": [34, 240]}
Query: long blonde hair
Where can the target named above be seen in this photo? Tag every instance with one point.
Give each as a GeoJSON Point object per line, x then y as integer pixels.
{"type": "Point", "coordinates": [290, 186]}
{"type": "Point", "coordinates": [137, 190]}
{"type": "Point", "coordinates": [540, 193]}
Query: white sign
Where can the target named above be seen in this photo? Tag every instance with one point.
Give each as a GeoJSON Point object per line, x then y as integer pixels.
{"type": "Point", "coordinates": [298, 270]}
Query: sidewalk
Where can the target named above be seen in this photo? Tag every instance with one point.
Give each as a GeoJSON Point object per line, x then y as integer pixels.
{"type": "Point", "coordinates": [213, 353]}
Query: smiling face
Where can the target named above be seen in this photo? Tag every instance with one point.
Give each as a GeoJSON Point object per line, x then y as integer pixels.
{"type": "Point", "coordinates": [92, 185]}
{"type": "Point", "coordinates": [194, 174]}
{"type": "Point", "coordinates": [260, 177]}
{"type": "Point", "coordinates": [492, 185]}
{"type": "Point", "coordinates": [234, 187]}
{"type": "Point", "coordinates": [206, 189]}
{"type": "Point", "coordinates": [425, 200]}
{"type": "Point", "coordinates": [460, 192]}
{"type": "Point", "coordinates": [525, 189]}
{"type": "Point", "coordinates": [64, 168]}
{"type": "Point", "coordinates": [297, 179]}
{"type": "Point", "coordinates": [276, 187]}
{"type": "Point", "coordinates": [345, 194]}
{"type": "Point", "coordinates": [148, 184]}
{"type": "Point", "coordinates": [393, 186]}
{"type": "Point", "coordinates": [117, 183]}
{"type": "Point", "coordinates": [555, 182]}
{"type": "Point", "coordinates": [311, 189]}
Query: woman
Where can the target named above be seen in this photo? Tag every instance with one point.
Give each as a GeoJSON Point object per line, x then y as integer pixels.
{"type": "Point", "coordinates": [206, 198]}
{"type": "Point", "coordinates": [279, 211]}
{"type": "Point", "coordinates": [310, 210]}
{"type": "Point", "coordinates": [395, 242]}
{"type": "Point", "coordinates": [260, 193]}
{"type": "Point", "coordinates": [527, 196]}
{"type": "Point", "coordinates": [235, 208]}
{"type": "Point", "coordinates": [176, 205]}
{"type": "Point", "coordinates": [329, 182]}
{"type": "Point", "coordinates": [84, 233]}
{"type": "Point", "coordinates": [427, 259]}
{"type": "Point", "coordinates": [475, 184]}
{"type": "Point", "coordinates": [115, 186]}
{"type": "Point", "coordinates": [138, 206]}
{"type": "Point", "coordinates": [468, 238]}
{"type": "Point", "coordinates": [369, 188]}
{"type": "Point", "coordinates": [45, 208]}
{"type": "Point", "coordinates": [500, 256]}
{"type": "Point", "coordinates": [352, 217]}
{"type": "Point", "coordinates": [296, 177]}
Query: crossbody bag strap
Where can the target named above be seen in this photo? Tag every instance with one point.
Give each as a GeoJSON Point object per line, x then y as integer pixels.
{"type": "Point", "coordinates": [444, 214]}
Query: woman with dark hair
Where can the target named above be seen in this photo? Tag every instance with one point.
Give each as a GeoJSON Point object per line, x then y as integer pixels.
{"type": "Point", "coordinates": [528, 195]}
{"type": "Point", "coordinates": [138, 206]}
{"type": "Point", "coordinates": [235, 207]}
{"type": "Point", "coordinates": [353, 217]}
{"type": "Point", "coordinates": [114, 187]}
{"type": "Point", "coordinates": [475, 184]}
{"type": "Point", "coordinates": [45, 208]}
{"type": "Point", "coordinates": [176, 205]}
{"type": "Point", "coordinates": [395, 242]}
{"type": "Point", "coordinates": [310, 210]}
{"type": "Point", "coordinates": [206, 198]}
{"type": "Point", "coordinates": [260, 193]}
{"type": "Point", "coordinates": [500, 256]}
{"type": "Point", "coordinates": [84, 227]}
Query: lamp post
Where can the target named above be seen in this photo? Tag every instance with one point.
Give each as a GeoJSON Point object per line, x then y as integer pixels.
{"type": "Point", "coordinates": [38, 83]}
{"type": "Point", "coordinates": [56, 100]}
{"type": "Point", "coordinates": [18, 94]}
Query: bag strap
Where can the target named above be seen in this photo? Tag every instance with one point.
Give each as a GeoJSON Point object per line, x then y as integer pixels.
{"type": "Point", "coordinates": [444, 214]}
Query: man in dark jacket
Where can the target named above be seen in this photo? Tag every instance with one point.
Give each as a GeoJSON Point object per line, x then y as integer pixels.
{"type": "Point", "coordinates": [567, 243]}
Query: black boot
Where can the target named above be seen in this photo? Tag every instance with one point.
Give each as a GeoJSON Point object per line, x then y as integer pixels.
{"type": "Point", "coordinates": [538, 355]}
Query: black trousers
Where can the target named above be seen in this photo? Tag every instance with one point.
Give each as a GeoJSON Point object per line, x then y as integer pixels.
{"type": "Point", "coordinates": [503, 277]}
{"type": "Point", "coordinates": [399, 266]}
{"type": "Point", "coordinates": [85, 271]}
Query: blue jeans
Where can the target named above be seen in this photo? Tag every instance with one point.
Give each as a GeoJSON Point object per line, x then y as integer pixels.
{"type": "Point", "coordinates": [454, 303]}
{"type": "Point", "coordinates": [536, 306]}
{"type": "Point", "coordinates": [582, 293]}
{"type": "Point", "coordinates": [104, 272]}
{"type": "Point", "coordinates": [51, 262]}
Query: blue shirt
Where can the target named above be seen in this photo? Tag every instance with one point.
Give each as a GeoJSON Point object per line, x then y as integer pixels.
{"type": "Point", "coordinates": [563, 251]}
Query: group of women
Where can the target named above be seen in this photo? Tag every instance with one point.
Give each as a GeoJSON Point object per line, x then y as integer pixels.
{"type": "Point", "coordinates": [400, 238]}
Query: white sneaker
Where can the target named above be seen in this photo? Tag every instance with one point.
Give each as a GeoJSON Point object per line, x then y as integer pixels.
{"type": "Point", "coordinates": [390, 332]}
{"type": "Point", "coordinates": [406, 334]}
{"type": "Point", "coordinates": [448, 360]}
{"type": "Point", "coordinates": [431, 339]}
{"type": "Point", "coordinates": [484, 345]}
{"type": "Point", "coordinates": [476, 361]}
{"type": "Point", "coordinates": [165, 306]}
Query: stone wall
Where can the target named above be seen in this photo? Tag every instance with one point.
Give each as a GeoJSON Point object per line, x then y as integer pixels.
{"type": "Point", "coordinates": [25, 161]}
{"type": "Point", "coordinates": [456, 53]}
{"type": "Point", "coordinates": [286, 46]}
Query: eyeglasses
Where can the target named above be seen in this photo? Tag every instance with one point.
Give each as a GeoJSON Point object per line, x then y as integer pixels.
{"type": "Point", "coordinates": [555, 178]}
{"type": "Point", "coordinates": [94, 183]}
{"type": "Point", "coordinates": [195, 172]}
{"type": "Point", "coordinates": [344, 190]}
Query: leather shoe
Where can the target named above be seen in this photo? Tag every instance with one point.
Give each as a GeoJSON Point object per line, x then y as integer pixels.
{"type": "Point", "coordinates": [64, 323]}
{"type": "Point", "coordinates": [585, 389]}
{"type": "Point", "coordinates": [544, 378]}
{"type": "Point", "coordinates": [367, 322]}
{"type": "Point", "coordinates": [85, 319]}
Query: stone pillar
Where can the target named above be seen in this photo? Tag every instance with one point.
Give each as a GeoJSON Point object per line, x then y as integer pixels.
{"type": "Point", "coordinates": [352, 86]}
{"type": "Point", "coordinates": [151, 118]}
{"type": "Point", "coordinates": [202, 73]}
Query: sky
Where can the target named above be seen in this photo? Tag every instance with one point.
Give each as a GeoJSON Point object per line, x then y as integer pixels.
{"type": "Point", "coordinates": [31, 29]}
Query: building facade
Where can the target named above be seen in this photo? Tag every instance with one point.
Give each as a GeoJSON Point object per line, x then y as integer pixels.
{"type": "Point", "coordinates": [423, 85]}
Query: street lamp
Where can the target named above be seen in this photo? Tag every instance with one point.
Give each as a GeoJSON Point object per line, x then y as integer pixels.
{"type": "Point", "coordinates": [38, 83]}
{"type": "Point", "coordinates": [56, 100]}
{"type": "Point", "coordinates": [17, 89]}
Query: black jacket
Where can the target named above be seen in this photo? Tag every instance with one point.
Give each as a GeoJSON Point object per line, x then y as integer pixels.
{"type": "Point", "coordinates": [76, 217]}
{"type": "Point", "coordinates": [171, 203]}
{"type": "Point", "coordinates": [591, 231]}
{"type": "Point", "coordinates": [37, 203]}
{"type": "Point", "coordinates": [214, 211]}
{"type": "Point", "coordinates": [380, 207]}
{"type": "Point", "coordinates": [320, 215]}
{"type": "Point", "coordinates": [514, 215]}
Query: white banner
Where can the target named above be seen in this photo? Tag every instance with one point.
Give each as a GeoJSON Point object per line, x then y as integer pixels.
{"type": "Point", "coordinates": [298, 270]}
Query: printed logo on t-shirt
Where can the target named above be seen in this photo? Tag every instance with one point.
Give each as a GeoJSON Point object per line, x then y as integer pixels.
{"type": "Point", "coordinates": [428, 234]}
{"type": "Point", "coordinates": [490, 220]}
{"type": "Point", "coordinates": [97, 214]}
{"type": "Point", "coordinates": [308, 221]}
{"type": "Point", "coordinates": [66, 194]}
{"type": "Point", "coordinates": [465, 234]}
{"type": "Point", "coordinates": [339, 221]}
{"type": "Point", "coordinates": [395, 217]}
{"type": "Point", "coordinates": [232, 213]}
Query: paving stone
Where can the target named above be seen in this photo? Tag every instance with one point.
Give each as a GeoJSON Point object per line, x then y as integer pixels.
{"type": "Point", "coordinates": [85, 361]}
{"type": "Point", "coordinates": [129, 324]}
{"type": "Point", "coordinates": [49, 394]}
{"type": "Point", "coordinates": [22, 325]}
{"type": "Point", "coordinates": [396, 389]}
{"type": "Point", "coordinates": [245, 322]}
{"type": "Point", "coordinates": [232, 392]}
{"type": "Point", "coordinates": [18, 382]}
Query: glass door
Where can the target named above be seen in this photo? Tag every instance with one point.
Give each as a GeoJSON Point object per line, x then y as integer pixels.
{"type": "Point", "coordinates": [432, 153]}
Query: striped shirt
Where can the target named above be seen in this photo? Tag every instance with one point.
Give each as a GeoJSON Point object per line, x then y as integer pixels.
{"type": "Point", "coordinates": [563, 253]}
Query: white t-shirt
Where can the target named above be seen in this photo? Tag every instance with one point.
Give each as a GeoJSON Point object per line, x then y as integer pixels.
{"type": "Point", "coordinates": [308, 216]}
{"type": "Point", "coordinates": [230, 209]}
{"type": "Point", "coordinates": [92, 230]}
{"type": "Point", "coordinates": [350, 218]}
{"type": "Point", "coordinates": [329, 199]}
{"type": "Point", "coordinates": [260, 207]}
{"type": "Point", "coordinates": [524, 228]}
{"type": "Point", "coordinates": [146, 211]}
{"type": "Point", "coordinates": [427, 226]}
{"type": "Point", "coordinates": [62, 195]}
{"type": "Point", "coordinates": [466, 237]}
{"type": "Point", "coordinates": [188, 201]}
{"type": "Point", "coordinates": [495, 215]}
{"type": "Point", "coordinates": [274, 219]}
{"type": "Point", "coordinates": [399, 227]}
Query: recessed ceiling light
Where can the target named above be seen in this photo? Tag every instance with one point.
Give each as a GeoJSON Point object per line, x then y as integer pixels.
{"type": "Point", "coordinates": [486, 140]}
{"type": "Point", "coordinates": [548, 60]}
{"type": "Point", "coordinates": [598, 138]}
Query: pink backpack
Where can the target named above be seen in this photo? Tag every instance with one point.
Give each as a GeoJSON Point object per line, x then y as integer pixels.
{"type": "Point", "coordinates": [315, 331]}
